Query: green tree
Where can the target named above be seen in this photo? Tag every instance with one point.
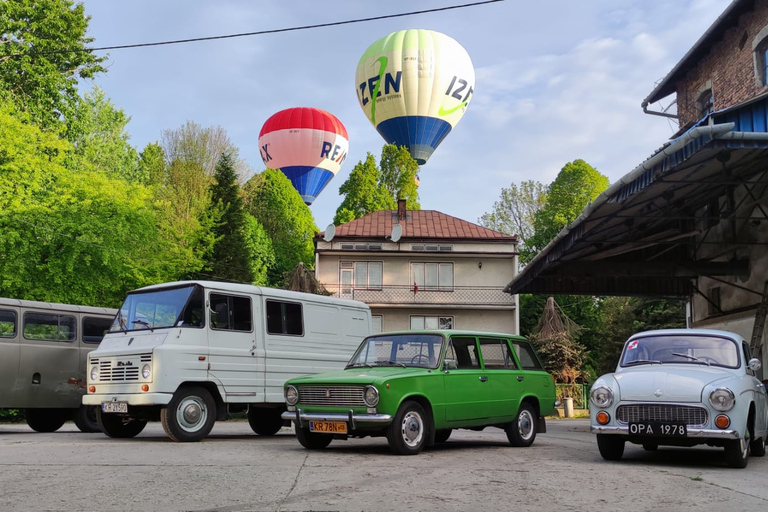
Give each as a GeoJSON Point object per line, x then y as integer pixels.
{"type": "Point", "coordinates": [230, 258]}
{"type": "Point", "coordinates": [262, 254]}
{"type": "Point", "coordinates": [399, 175]}
{"type": "Point", "coordinates": [278, 207]}
{"type": "Point", "coordinates": [152, 164]}
{"type": "Point", "coordinates": [42, 56]}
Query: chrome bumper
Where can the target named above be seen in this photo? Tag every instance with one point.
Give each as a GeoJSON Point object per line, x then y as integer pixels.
{"type": "Point", "coordinates": [300, 417]}
{"type": "Point", "coordinates": [692, 432]}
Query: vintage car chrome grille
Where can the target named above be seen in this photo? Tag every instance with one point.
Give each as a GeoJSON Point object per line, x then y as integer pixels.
{"type": "Point", "coordinates": [110, 371]}
{"type": "Point", "coordinates": [691, 415]}
{"type": "Point", "coordinates": [338, 396]}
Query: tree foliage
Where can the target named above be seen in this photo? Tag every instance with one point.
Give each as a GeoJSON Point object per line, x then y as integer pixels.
{"type": "Point", "coordinates": [34, 64]}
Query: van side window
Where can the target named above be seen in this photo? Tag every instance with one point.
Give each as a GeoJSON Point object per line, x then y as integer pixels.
{"type": "Point", "coordinates": [47, 326]}
{"type": "Point", "coordinates": [284, 318]}
{"type": "Point", "coordinates": [7, 323]}
{"type": "Point", "coordinates": [496, 354]}
{"type": "Point", "coordinates": [94, 328]}
{"type": "Point", "coordinates": [526, 355]}
{"type": "Point", "coordinates": [230, 313]}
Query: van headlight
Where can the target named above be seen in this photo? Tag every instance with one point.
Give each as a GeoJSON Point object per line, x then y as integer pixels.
{"type": "Point", "coordinates": [291, 395]}
{"type": "Point", "coordinates": [371, 396]}
{"type": "Point", "coordinates": [94, 373]}
{"type": "Point", "coordinates": [601, 396]}
{"type": "Point", "coordinates": [146, 371]}
{"type": "Point", "coordinates": [722, 399]}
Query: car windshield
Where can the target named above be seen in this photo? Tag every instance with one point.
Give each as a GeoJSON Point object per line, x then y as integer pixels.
{"type": "Point", "coordinates": [182, 306]}
{"type": "Point", "coordinates": [403, 350]}
{"type": "Point", "coordinates": [681, 349]}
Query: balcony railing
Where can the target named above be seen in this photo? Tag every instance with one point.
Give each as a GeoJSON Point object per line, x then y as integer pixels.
{"type": "Point", "coordinates": [396, 294]}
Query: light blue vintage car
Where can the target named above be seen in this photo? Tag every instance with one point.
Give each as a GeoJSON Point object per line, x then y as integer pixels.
{"type": "Point", "coordinates": [682, 387]}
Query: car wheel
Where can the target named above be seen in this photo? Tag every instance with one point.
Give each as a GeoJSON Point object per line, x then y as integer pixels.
{"type": "Point", "coordinates": [265, 422]}
{"type": "Point", "coordinates": [190, 415]}
{"type": "Point", "coordinates": [522, 431]}
{"type": "Point", "coordinates": [85, 419]}
{"type": "Point", "coordinates": [311, 440]}
{"type": "Point", "coordinates": [611, 446]}
{"type": "Point", "coordinates": [408, 432]}
{"type": "Point", "coordinates": [46, 420]}
{"type": "Point", "coordinates": [119, 426]}
{"type": "Point", "coordinates": [757, 449]}
{"type": "Point", "coordinates": [442, 435]}
{"type": "Point", "coordinates": [650, 447]}
{"type": "Point", "coordinates": [737, 451]}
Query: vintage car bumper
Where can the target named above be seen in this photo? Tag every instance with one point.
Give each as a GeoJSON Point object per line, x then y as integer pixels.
{"type": "Point", "coordinates": [300, 417]}
{"type": "Point", "coordinates": [691, 432]}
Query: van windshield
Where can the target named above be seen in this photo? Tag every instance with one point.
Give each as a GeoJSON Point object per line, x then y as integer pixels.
{"type": "Point", "coordinates": [155, 309]}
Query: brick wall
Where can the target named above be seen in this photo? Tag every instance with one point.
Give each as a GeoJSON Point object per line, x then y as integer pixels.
{"type": "Point", "coordinates": [729, 67]}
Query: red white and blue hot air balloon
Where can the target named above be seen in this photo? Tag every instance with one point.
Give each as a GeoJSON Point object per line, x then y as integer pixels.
{"type": "Point", "coordinates": [307, 144]}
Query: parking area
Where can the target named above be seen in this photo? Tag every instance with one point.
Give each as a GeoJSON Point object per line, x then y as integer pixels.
{"type": "Point", "coordinates": [236, 470]}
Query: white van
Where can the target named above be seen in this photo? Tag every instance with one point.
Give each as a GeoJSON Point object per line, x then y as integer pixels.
{"type": "Point", "coordinates": [186, 353]}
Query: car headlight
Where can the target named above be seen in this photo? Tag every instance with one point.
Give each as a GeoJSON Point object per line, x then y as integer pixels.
{"type": "Point", "coordinates": [601, 396]}
{"type": "Point", "coordinates": [94, 373]}
{"type": "Point", "coordinates": [722, 399]}
{"type": "Point", "coordinates": [371, 396]}
{"type": "Point", "coordinates": [291, 395]}
{"type": "Point", "coordinates": [146, 371]}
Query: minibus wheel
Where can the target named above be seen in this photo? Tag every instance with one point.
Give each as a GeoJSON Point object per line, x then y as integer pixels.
{"type": "Point", "coordinates": [190, 415]}
{"type": "Point", "coordinates": [265, 421]}
{"type": "Point", "coordinates": [85, 418]}
{"type": "Point", "coordinates": [46, 420]}
{"type": "Point", "coordinates": [118, 425]}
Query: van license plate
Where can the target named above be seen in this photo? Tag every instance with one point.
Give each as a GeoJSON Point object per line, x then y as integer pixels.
{"type": "Point", "coordinates": [114, 406]}
{"type": "Point", "coordinates": [658, 429]}
{"type": "Point", "coordinates": [330, 427]}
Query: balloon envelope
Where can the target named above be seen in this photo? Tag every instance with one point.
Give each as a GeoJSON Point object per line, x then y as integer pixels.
{"type": "Point", "coordinates": [414, 86]}
{"type": "Point", "coordinates": [307, 144]}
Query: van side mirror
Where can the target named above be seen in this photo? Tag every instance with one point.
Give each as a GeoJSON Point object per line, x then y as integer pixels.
{"type": "Point", "coordinates": [754, 364]}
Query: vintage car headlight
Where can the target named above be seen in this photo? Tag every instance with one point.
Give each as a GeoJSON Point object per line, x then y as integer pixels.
{"type": "Point", "coordinates": [722, 399]}
{"type": "Point", "coordinates": [146, 371]}
{"type": "Point", "coordinates": [291, 395]}
{"type": "Point", "coordinates": [601, 396]}
{"type": "Point", "coordinates": [94, 373]}
{"type": "Point", "coordinates": [371, 396]}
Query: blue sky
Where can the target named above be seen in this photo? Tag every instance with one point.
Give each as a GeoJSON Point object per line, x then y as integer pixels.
{"type": "Point", "coordinates": [556, 80]}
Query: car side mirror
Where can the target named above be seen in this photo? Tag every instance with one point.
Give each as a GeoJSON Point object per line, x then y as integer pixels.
{"type": "Point", "coordinates": [450, 364]}
{"type": "Point", "coordinates": [754, 364]}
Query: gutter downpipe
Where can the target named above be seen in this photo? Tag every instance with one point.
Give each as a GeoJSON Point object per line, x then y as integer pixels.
{"type": "Point", "coordinates": [714, 131]}
{"type": "Point", "coordinates": [655, 113]}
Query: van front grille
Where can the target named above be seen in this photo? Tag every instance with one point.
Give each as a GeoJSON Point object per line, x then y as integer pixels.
{"type": "Point", "coordinates": [120, 369]}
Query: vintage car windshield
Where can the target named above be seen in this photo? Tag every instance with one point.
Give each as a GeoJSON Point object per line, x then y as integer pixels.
{"type": "Point", "coordinates": [422, 350]}
{"type": "Point", "coordinates": [681, 349]}
{"type": "Point", "coordinates": [181, 306]}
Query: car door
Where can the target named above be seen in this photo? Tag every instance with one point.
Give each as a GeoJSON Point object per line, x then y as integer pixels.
{"type": "Point", "coordinates": [505, 379]}
{"type": "Point", "coordinates": [533, 379]}
{"type": "Point", "coordinates": [466, 383]}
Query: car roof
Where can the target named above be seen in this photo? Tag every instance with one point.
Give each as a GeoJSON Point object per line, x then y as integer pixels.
{"type": "Point", "coordinates": [688, 332]}
{"type": "Point", "coordinates": [451, 332]}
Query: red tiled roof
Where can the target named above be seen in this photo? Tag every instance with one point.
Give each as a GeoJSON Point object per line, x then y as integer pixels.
{"type": "Point", "coordinates": [425, 224]}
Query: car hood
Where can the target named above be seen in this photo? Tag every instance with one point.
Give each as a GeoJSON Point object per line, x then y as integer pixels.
{"type": "Point", "coordinates": [667, 384]}
{"type": "Point", "coordinates": [358, 375]}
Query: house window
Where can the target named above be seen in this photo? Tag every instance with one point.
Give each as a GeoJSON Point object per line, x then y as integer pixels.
{"type": "Point", "coordinates": [432, 276]}
{"type": "Point", "coordinates": [376, 324]}
{"type": "Point", "coordinates": [431, 322]}
{"type": "Point", "coordinates": [760, 56]}
{"type": "Point", "coordinates": [705, 104]}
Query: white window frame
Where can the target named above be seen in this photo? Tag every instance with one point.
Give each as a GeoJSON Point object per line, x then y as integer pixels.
{"type": "Point", "coordinates": [351, 271]}
{"type": "Point", "coordinates": [377, 324]}
{"type": "Point", "coordinates": [433, 275]}
{"type": "Point", "coordinates": [419, 322]}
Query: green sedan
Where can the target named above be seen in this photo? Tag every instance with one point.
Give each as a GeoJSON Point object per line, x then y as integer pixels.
{"type": "Point", "coordinates": [415, 387]}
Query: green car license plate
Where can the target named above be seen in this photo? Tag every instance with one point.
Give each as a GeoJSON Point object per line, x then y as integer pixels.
{"type": "Point", "coordinates": [328, 427]}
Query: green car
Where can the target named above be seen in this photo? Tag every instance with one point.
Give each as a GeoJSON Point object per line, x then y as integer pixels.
{"type": "Point", "coordinates": [415, 387]}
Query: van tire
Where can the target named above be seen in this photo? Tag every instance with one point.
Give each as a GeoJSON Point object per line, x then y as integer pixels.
{"type": "Point", "coordinates": [85, 419]}
{"type": "Point", "coordinates": [312, 441]}
{"type": "Point", "coordinates": [118, 426]}
{"type": "Point", "coordinates": [190, 415]}
{"type": "Point", "coordinates": [265, 421]}
{"type": "Point", "coordinates": [46, 420]}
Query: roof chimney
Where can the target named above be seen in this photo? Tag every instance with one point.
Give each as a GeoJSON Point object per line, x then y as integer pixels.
{"type": "Point", "coordinates": [400, 209]}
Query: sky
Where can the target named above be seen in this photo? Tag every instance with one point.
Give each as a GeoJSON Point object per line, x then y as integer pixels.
{"type": "Point", "coordinates": [556, 80]}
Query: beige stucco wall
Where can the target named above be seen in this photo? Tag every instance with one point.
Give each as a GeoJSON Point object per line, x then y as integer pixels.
{"type": "Point", "coordinates": [480, 320]}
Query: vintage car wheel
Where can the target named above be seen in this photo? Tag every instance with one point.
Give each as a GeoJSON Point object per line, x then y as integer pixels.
{"type": "Point", "coordinates": [85, 419]}
{"type": "Point", "coordinates": [265, 422]}
{"type": "Point", "coordinates": [442, 435]}
{"type": "Point", "coordinates": [522, 431]}
{"type": "Point", "coordinates": [408, 432]}
{"type": "Point", "coordinates": [312, 441]}
{"type": "Point", "coordinates": [118, 426]}
{"type": "Point", "coordinates": [46, 420]}
{"type": "Point", "coordinates": [611, 446]}
{"type": "Point", "coordinates": [650, 447]}
{"type": "Point", "coordinates": [190, 415]}
{"type": "Point", "coordinates": [737, 452]}
{"type": "Point", "coordinates": [757, 449]}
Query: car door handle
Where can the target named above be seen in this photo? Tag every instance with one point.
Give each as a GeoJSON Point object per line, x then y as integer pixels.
{"type": "Point", "coordinates": [520, 379]}
{"type": "Point", "coordinates": [483, 378]}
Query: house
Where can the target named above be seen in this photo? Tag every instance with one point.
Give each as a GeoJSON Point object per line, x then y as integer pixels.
{"type": "Point", "coordinates": [421, 269]}
{"type": "Point", "coordinates": [691, 221]}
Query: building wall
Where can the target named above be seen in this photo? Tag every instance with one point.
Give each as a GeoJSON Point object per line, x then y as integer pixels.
{"type": "Point", "coordinates": [481, 320]}
{"type": "Point", "coordinates": [729, 68]}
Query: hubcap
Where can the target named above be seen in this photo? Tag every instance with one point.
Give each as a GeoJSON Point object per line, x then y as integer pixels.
{"type": "Point", "coordinates": [412, 428]}
{"type": "Point", "coordinates": [525, 425]}
{"type": "Point", "coordinates": [191, 413]}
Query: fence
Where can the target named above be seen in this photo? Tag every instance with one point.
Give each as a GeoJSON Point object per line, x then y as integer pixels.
{"type": "Point", "coordinates": [579, 393]}
{"type": "Point", "coordinates": [408, 294]}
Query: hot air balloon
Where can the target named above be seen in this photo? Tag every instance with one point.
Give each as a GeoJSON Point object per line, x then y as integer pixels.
{"type": "Point", "coordinates": [308, 145]}
{"type": "Point", "coordinates": [414, 86]}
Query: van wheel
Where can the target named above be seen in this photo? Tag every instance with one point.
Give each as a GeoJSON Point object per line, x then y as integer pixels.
{"type": "Point", "coordinates": [46, 420]}
{"type": "Point", "coordinates": [265, 421]}
{"type": "Point", "coordinates": [119, 426]}
{"type": "Point", "coordinates": [408, 432]}
{"type": "Point", "coordinates": [85, 419]}
{"type": "Point", "coordinates": [190, 415]}
{"type": "Point", "coordinates": [522, 431]}
{"type": "Point", "coordinates": [312, 441]}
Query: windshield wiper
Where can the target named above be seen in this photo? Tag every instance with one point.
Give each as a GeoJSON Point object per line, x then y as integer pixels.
{"type": "Point", "coordinates": [145, 324]}
{"type": "Point", "coordinates": [692, 358]}
{"type": "Point", "coordinates": [395, 363]}
{"type": "Point", "coordinates": [355, 365]}
{"type": "Point", "coordinates": [642, 361]}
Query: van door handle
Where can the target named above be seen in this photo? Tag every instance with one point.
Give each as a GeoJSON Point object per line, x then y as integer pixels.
{"type": "Point", "coordinates": [483, 378]}
{"type": "Point", "coordinates": [520, 378]}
